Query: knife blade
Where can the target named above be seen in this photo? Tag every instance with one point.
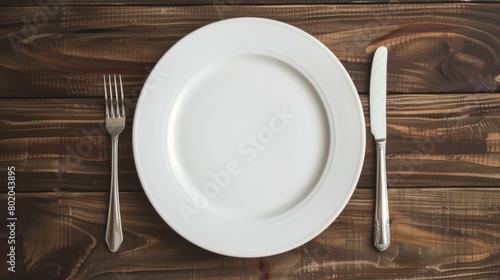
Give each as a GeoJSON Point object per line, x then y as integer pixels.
{"type": "Point", "coordinates": [378, 91]}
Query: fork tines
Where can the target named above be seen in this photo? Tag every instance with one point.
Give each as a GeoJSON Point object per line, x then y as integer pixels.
{"type": "Point", "coordinates": [115, 102]}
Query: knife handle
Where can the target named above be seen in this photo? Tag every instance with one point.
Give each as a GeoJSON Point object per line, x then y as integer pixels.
{"type": "Point", "coordinates": [382, 233]}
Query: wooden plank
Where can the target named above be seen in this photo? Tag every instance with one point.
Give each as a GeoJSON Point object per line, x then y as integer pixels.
{"type": "Point", "coordinates": [434, 140]}
{"type": "Point", "coordinates": [220, 2]}
{"type": "Point", "coordinates": [62, 51]}
{"type": "Point", "coordinates": [58, 143]}
{"type": "Point", "coordinates": [436, 233]}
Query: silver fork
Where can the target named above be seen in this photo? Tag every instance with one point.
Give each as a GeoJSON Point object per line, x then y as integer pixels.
{"type": "Point", "coordinates": [115, 122]}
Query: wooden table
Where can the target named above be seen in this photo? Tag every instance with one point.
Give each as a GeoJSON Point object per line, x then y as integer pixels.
{"type": "Point", "coordinates": [443, 112]}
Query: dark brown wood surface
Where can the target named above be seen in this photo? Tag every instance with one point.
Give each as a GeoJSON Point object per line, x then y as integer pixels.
{"type": "Point", "coordinates": [61, 52]}
{"type": "Point", "coordinates": [461, 241]}
{"type": "Point", "coordinates": [228, 3]}
{"type": "Point", "coordinates": [58, 144]}
{"type": "Point", "coordinates": [443, 121]}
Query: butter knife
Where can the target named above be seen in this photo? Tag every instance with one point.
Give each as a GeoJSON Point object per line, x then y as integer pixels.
{"type": "Point", "coordinates": [382, 235]}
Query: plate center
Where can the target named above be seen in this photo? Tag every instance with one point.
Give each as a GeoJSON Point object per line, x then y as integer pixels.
{"type": "Point", "coordinates": [248, 136]}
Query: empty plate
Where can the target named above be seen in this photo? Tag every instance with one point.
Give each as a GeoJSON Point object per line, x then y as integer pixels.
{"type": "Point", "coordinates": [249, 137]}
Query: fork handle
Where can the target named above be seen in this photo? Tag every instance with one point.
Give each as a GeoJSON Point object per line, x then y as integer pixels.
{"type": "Point", "coordinates": [382, 231]}
{"type": "Point", "coordinates": [114, 234]}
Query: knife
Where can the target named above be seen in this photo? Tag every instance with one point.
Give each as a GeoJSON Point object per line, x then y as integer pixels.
{"type": "Point", "coordinates": [382, 234]}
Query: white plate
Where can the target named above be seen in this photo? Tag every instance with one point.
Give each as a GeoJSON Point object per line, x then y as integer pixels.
{"type": "Point", "coordinates": [249, 137]}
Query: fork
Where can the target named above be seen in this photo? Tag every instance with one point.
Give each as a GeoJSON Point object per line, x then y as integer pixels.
{"type": "Point", "coordinates": [115, 122]}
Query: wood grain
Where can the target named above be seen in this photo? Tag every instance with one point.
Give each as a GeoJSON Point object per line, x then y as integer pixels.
{"type": "Point", "coordinates": [435, 140]}
{"type": "Point", "coordinates": [61, 51]}
{"type": "Point", "coordinates": [439, 233]}
{"type": "Point", "coordinates": [229, 3]}
{"type": "Point", "coordinates": [443, 127]}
